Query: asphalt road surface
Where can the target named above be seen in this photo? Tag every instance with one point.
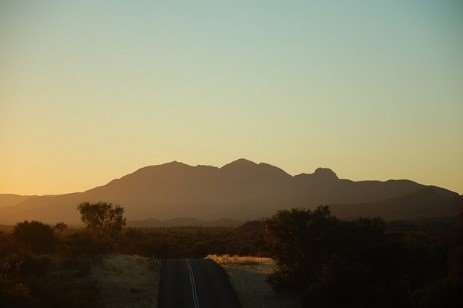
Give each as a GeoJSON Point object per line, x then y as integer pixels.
{"type": "Point", "coordinates": [195, 283]}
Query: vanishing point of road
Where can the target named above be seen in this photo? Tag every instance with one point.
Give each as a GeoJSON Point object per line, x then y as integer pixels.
{"type": "Point", "coordinates": [195, 283]}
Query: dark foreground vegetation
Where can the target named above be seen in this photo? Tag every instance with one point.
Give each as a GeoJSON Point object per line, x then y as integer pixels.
{"type": "Point", "coordinates": [51, 266]}
{"type": "Point", "coordinates": [326, 261]}
{"type": "Point", "coordinates": [361, 263]}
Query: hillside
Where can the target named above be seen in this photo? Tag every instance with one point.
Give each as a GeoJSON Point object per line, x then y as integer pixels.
{"type": "Point", "coordinates": [428, 202]}
{"type": "Point", "coordinates": [11, 199]}
{"type": "Point", "coordinates": [240, 190]}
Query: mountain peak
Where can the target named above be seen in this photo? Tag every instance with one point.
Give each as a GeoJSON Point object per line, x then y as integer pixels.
{"type": "Point", "coordinates": [325, 173]}
{"type": "Point", "coordinates": [244, 167]}
{"type": "Point", "coordinates": [239, 163]}
{"type": "Point", "coordinates": [175, 163]}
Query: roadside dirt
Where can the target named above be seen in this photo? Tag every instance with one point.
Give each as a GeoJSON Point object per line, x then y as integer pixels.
{"type": "Point", "coordinates": [249, 282]}
{"type": "Point", "coordinates": [126, 281]}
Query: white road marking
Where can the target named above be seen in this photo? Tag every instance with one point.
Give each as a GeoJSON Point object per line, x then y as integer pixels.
{"type": "Point", "coordinates": [194, 290]}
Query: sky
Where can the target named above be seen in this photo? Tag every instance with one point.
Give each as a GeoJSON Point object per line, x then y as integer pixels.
{"type": "Point", "coordinates": [93, 90]}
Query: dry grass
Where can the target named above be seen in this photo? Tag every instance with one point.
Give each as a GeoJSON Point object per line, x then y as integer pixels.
{"type": "Point", "coordinates": [248, 276]}
{"type": "Point", "coordinates": [243, 260]}
{"type": "Point", "coordinates": [127, 281]}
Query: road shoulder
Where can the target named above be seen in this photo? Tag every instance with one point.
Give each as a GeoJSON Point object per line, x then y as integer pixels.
{"type": "Point", "coordinates": [127, 281]}
{"type": "Point", "coordinates": [248, 276]}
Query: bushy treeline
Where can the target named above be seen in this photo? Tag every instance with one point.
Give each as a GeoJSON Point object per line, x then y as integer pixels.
{"type": "Point", "coordinates": [49, 266]}
{"type": "Point", "coordinates": [196, 242]}
{"type": "Point", "coordinates": [37, 271]}
{"type": "Point", "coordinates": [331, 262]}
{"type": "Point", "coordinates": [327, 261]}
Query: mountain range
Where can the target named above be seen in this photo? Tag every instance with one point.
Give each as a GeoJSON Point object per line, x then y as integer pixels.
{"type": "Point", "coordinates": [241, 190]}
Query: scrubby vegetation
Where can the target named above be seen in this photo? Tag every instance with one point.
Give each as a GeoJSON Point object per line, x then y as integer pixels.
{"type": "Point", "coordinates": [50, 266]}
{"type": "Point", "coordinates": [322, 259]}
{"type": "Point", "coordinates": [359, 264]}
{"type": "Point", "coordinates": [41, 267]}
{"type": "Point", "coordinates": [196, 242]}
{"type": "Point", "coordinates": [31, 279]}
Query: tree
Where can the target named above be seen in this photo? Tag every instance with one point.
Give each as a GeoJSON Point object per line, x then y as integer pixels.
{"type": "Point", "coordinates": [456, 253]}
{"type": "Point", "coordinates": [329, 261]}
{"type": "Point", "coordinates": [60, 227]}
{"type": "Point", "coordinates": [102, 218]}
{"type": "Point", "coordinates": [298, 240]}
{"type": "Point", "coordinates": [36, 236]}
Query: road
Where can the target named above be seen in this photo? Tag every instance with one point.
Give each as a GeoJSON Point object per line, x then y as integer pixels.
{"type": "Point", "coordinates": [195, 283]}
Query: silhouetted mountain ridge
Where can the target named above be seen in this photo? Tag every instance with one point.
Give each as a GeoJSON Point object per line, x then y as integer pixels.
{"type": "Point", "coordinates": [417, 205]}
{"type": "Point", "coordinates": [240, 190]}
{"type": "Point", "coordinates": [7, 200]}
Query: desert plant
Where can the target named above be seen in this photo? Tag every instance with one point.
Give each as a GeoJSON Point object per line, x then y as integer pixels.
{"type": "Point", "coordinates": [102, 218]}
{"type": "Point", "coordinates": [36, 236]}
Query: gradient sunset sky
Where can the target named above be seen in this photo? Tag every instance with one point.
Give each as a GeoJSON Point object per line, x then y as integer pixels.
{"type": "Point", "coordinates": [93, 90]}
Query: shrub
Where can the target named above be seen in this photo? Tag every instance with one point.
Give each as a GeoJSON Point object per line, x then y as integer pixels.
{"type": "Point", "coordinates": [36, 236]}
{"type": "Point", "coordinates": [102, 218]}
{"type": "Point", "coordinates": [332, 261]}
